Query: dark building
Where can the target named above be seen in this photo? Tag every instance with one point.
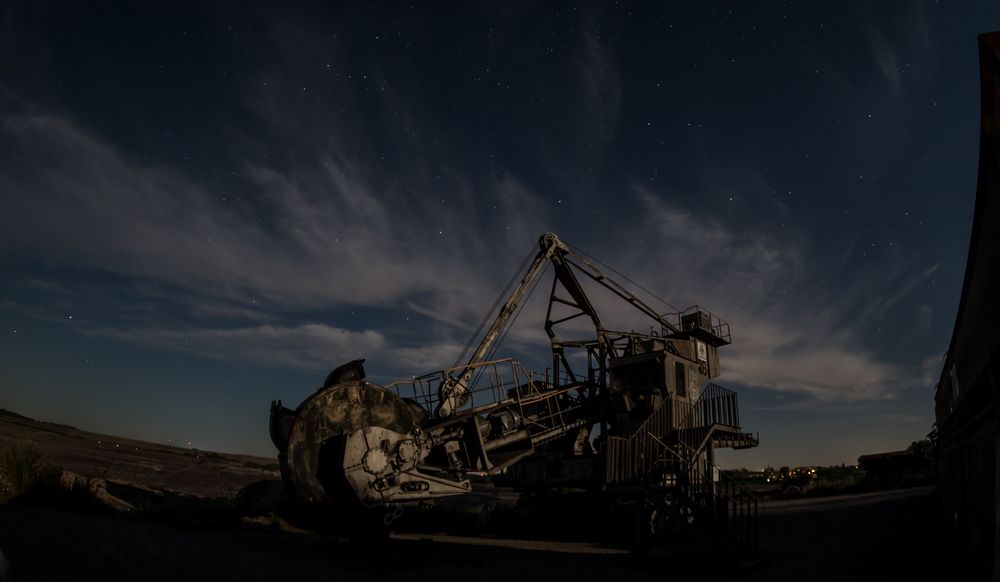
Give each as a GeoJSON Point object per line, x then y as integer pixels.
{"type": "Point", "coordinates": [967, 406]}
{"type": "Point", "coordinates": [913, 466]}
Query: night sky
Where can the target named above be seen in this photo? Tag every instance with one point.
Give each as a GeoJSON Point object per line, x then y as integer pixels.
{"type": "Point", "coordinates": [208, 206]}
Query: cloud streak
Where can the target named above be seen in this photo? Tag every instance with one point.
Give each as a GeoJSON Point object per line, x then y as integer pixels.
{"type": "Point", "coordinates": [323, 237]}
{"type": "Point", "coordinates": [306, 346]}
{"type": "Point", "coordinates": [350, 247]}
{"type": "Point", "coordinates": [313, 239]}
{"type": "Point", "coordinates": [338, 227]}
{"type": "Point", "coordinates": [788, 336]}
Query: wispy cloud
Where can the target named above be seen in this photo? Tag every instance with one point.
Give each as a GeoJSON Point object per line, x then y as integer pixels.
{"type": "Point", "coordinates": [306, 346]}
{"type": "Point", "coordinates": [788, 335]}
{"type": "Point", "coordinates": [331, 240]}
{"type": "Point", "coordinates": [421, 359]}
{"type": "Point", "coordinates": [323, 238]}
{"type": "Point", "coordinates": [336, 228]}
{"type": "Point", "coordinates": [906, 58]}
{"type": "Point", "coordinates": [908, 286]}
{"type": "Point", "coordinates": [228, 311]}
{"type": "Point", "coordinates": [601, 81]}
{"type": "Point", "coordinates": [885, 58]}
{"type": "Point", "coordinates": [930, 370]}
{"type": "Point", "coordinates": [314, 238]}
{"type": "Point", "coordinates": [314, 347]}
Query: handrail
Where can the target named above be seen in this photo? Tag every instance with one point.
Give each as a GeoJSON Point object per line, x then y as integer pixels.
{"type": "Point", "coordinates": [729, 505]}
{"type": "Point", "coordinates": [493, 383]}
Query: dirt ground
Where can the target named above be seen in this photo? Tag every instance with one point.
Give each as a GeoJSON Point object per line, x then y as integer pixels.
{"type": "Point", "coordinates": [889, 537]}
{"type": "Point", "coordinates": [179, 470]}
{"type": "Point", "coordinates": [878, 536]}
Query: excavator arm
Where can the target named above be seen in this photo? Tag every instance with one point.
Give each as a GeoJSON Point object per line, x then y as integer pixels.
{"type": "Point", "coordinates": [454, 389]}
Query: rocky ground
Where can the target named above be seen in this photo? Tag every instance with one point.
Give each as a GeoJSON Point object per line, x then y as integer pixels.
{"type": "Point", "coordinates": [97, 456]}
{"type": "Point", "coordinates": [174, 514]}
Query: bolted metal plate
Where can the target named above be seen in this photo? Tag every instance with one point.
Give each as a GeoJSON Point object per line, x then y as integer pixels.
{"type": "Point", "coordinates": [376, 461]}
{"type": "Point", "coordinates": [338, 411]}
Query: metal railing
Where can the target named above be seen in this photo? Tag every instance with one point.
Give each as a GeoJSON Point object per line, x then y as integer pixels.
{"type": "Point", "coordinates": [633, 457]}
{"type": "Point", "coordinates": [546, 411]}
{"type": "Point", "coordinates": [715, 406]}
{"type": "Point", "coordinates": [665, 451]}
{"type": "Point", "coordinates": [718, 405]}
{"type": "Point", "coordinates": [703, 319]}
{"type": "Point", "coordinates": [732, 510]}
{"type": "Point", "coordinates": [492, 382]}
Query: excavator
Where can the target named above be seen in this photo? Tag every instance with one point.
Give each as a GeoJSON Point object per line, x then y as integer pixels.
{"type": "Point", "coordinates": [631, 415]}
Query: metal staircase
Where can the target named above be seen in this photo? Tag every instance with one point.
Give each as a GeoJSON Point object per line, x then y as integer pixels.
{"type": "Point", "coordinates": [671, 462]}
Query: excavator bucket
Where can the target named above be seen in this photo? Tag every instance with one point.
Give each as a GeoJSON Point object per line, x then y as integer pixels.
{"type": "Point", "coordinates": [312, 439]}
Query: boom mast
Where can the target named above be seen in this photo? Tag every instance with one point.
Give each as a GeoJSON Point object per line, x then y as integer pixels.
{"type": "Point", "coordinates": [454, 390]}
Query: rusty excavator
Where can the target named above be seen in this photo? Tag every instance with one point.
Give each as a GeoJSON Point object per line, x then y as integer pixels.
{"type": "Point", "coordinates": [630, 416]}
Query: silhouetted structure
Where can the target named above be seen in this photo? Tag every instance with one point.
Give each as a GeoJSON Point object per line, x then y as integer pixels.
{"type": "Point", "coordinates": [913, 466]}
{"type": "Point", "coordinates": [649, 394]}
{"type": "Point", "coordinates": [967, 403]}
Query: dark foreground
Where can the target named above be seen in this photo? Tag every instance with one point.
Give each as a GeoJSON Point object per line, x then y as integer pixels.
{"type": "Point", "coordinates": [142, 511]}
{"type": "Point", "coordinates": [887, 536]}
{"type": "Point", "coordinates": [183, 471]}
